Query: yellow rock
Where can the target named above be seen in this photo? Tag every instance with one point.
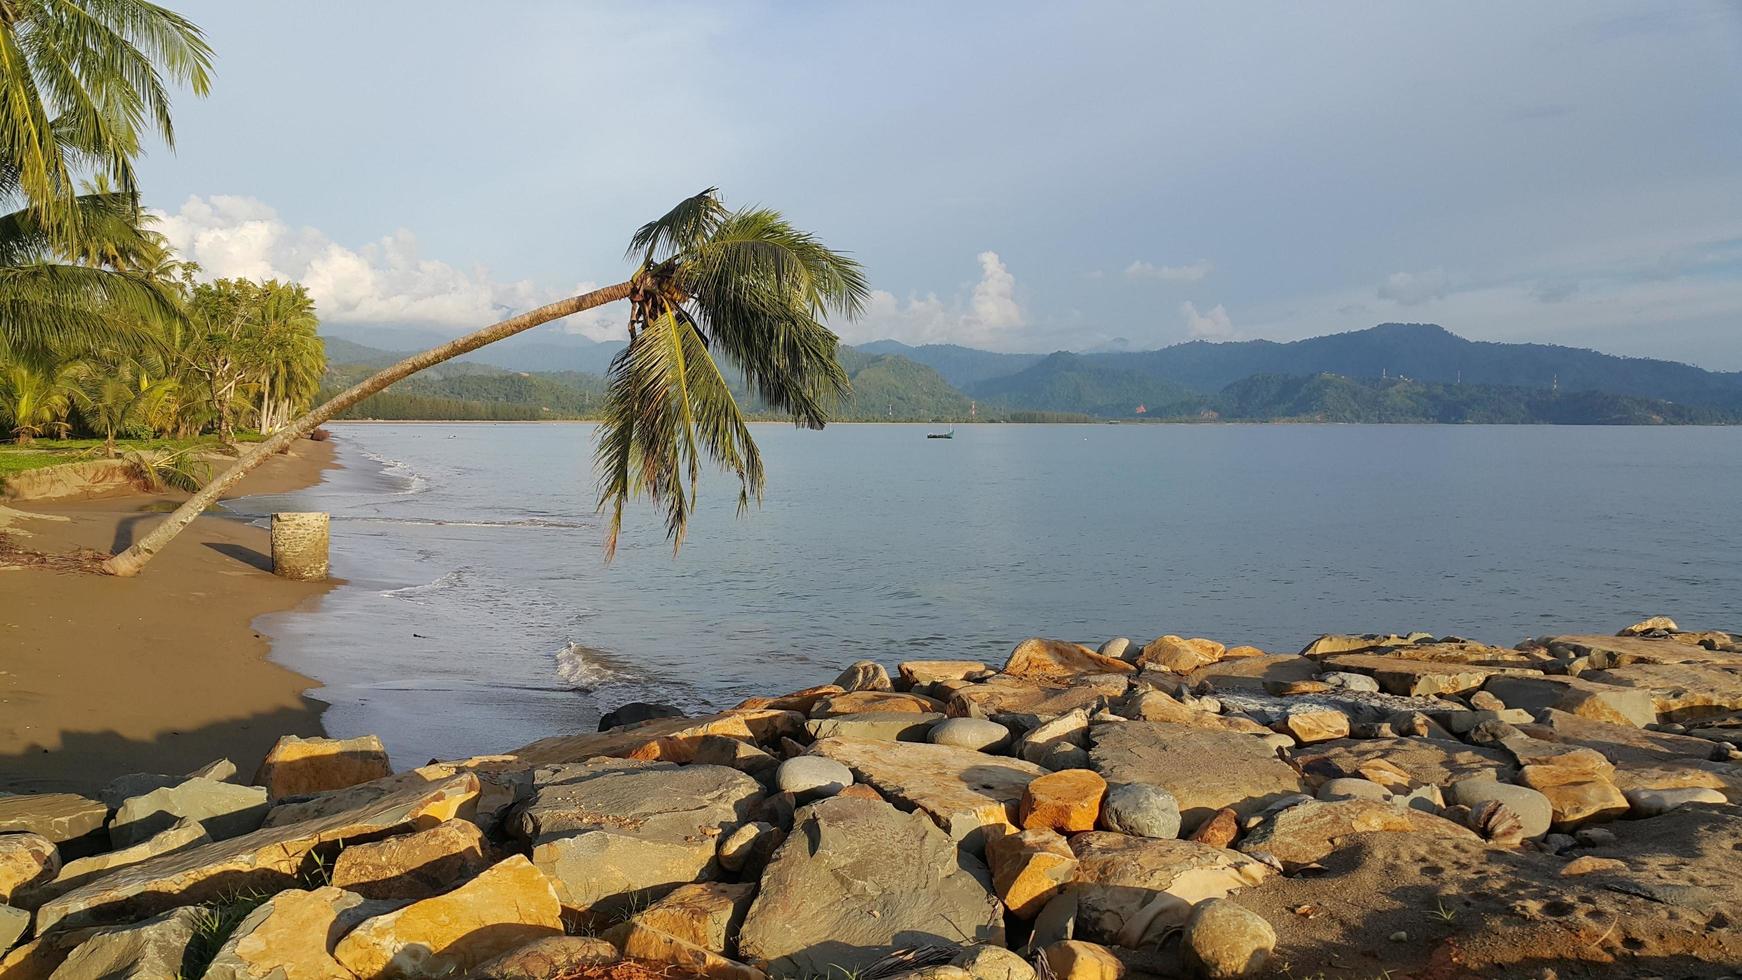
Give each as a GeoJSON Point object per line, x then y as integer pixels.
{"type": "Point", "coordinates": [510, 905]}
{"type": "Point", "coordinates": [1067, 801]}
{"type": "Point", "coordinates": [703, 914]}
{"type": "Point", "coordinates": [861, 702]}
{"type": "Point", "coordinates": [1308, 727]}
{"type": "Point", "coordinates": [1074, 959]}
{"type": "Point", "coordinates": [963, 791]}
{"type": "Point", "coordinates": [288, 938]}
{"type": "Point", "coordinates": [1055, 660]}
{"type": "Point", "coordinates": [25, 860]}
{"type": "Point", "coordinates": [1029, 868]}
{"type": "Point", "coordinates": [765, 726]}
{"type": "Point", "coordinates": [318, 765]}
{"type": "Point", "coordinates": [1180, 655]}
{"type": "Point", "coordinates": [415, 865]}
{"type": "Point", "coordinates": [652, 946]}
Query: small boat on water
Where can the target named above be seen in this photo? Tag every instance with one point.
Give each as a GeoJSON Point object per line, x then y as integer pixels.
{"type": "Point", "coordinates": [942, 435]}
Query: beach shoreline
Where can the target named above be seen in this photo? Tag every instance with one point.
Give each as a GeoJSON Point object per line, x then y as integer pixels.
{"type": "Point", "coordinates": [164, 672]}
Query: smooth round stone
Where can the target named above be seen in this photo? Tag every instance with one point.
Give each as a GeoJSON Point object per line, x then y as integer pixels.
{"type": "Point", "coordinates": [1350, 682]}
{"type": "Point", "coordinates": [1534, 811]}
{"type": "Point", "coordinates": [1350, 788]}
{"type": "Point", "coordinates": [1117, 647]}
{"type": "Point", "coordinates": [1223, 940]}
{"type": "Point", "coordinates": [1141, 810]}
{"type": "Point", "coordinates": [1656, 802]}
{"type": "Point", "coordinates": [978, 734]}
{"type": "Point", "coordinates": [812, 777]}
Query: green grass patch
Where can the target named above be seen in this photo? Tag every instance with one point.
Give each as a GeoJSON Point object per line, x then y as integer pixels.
{"type": "Point", "coordinates": [54, 452]}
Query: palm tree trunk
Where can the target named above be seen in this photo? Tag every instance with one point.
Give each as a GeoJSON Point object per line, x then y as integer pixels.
{"type": "Point", "coordinates": [129, 562]}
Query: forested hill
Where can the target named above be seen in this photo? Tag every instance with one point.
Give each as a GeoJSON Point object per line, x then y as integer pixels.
{"type": "Point", "coordinates": [1390, 373]}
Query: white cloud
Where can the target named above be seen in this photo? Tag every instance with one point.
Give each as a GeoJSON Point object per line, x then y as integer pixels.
{"type": "Point", "coordinates": [384, 281]}
{"type": "Point", "coordinates": [991, 317]}
{"type": "Point", "coordinates": [1211, 324]}
{"type": "Point", "coordinates": [1194, 272]}
{"type": "Point", "coordinates": [1414, 288]}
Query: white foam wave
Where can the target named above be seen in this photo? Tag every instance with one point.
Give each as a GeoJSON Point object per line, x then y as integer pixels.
{"type": "Point", "coordinates": [586, 669]}
{"type": "Point", "coordinates": [531, 522]}
{"type": "Point", "coordinates": [399, 469]}
{"type": "Point", "coordinates": [417, 593]}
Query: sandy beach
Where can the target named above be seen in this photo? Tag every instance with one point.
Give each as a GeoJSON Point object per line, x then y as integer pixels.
{"type": "Point", "coordinates": [102, 676]}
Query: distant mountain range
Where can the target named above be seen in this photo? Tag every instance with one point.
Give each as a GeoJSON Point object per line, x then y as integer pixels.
{"type": "Point", "coordinates": [1391, 372]}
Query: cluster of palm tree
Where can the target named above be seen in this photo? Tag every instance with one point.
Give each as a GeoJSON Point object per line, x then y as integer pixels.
{"type": "Point", "coordinates": [102, 330]}
{"type": "Point", "coordinates": [238, 355]}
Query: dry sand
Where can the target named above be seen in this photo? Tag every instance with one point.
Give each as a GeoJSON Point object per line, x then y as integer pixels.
{"type": "Point", "coordinates": [102, 676]}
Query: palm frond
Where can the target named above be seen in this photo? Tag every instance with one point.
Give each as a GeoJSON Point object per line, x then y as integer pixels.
{"type": "Point", "coordinates": [683, 227]}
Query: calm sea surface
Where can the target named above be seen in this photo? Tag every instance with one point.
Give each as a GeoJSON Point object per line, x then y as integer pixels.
{"type": "Point", "coordinates": [478, 613]}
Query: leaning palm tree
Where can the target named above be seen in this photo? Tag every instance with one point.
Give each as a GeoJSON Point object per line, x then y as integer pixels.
{"type": "Point", "coordinates": [745, 285]}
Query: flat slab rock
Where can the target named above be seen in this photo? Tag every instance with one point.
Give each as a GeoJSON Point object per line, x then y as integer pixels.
{"type": "Point", "coordinates": [650, 800]}
{"type": "Point", "coordinates": [1617, 651]}
{"type": "Point", "coordinates": [1307, 832]}
{"type": "Point", "coordinates": [267, 859]}
{"type": "Point", "coordinates": [1251, 673]}
{"type": "Point", "coordinates": [1204, 770]}
{"type": "Point", "coordinates": [1683, 691]}
{"type": "Point", "coordinates": [963, 791]}
{"type": "Point", "coordinates": [856, 880]}
{"type": "Point", "coordinates": [1358, 705]}
{"type": "Point", "coordinates": [762, 726]}
{"type": "Point", "coordinates": [1003, 694]}
{"type": "Point", "coordinates": [61, 817]}
{"type": "Point", "coordinates": [1426, 760]}
{"type": "Point", "coordinates": [1416, 678]}
{"type": "Point", "coordinates": [1119, 882]}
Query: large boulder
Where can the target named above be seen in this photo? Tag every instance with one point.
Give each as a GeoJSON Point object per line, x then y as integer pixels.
{"type": "Point", "coordinates": [858, 879]}
{"type": "Point", "coordinates": [1029, 868]}
{"type": "Point", "coordinates": [864, 675]}
{"type": "Point", "coordinates": [291, 936]}
{"type": "Point", "coordinates": [508, 906]}
{"type": "Point", "coordinates": [1131, 891]}
{"type": "Point", "coordinates": [267, 860]}
{"type": "Point", "coordinates": [223, 809]}
{"type": "Point", "coordinates": [296, 765]}
{"type": "Point", "coordinates": [617, 833]}
{"type": "Point", "coordinates": [1602, 652]}
{"type": "Point", "coordinates": [1007, 698]}
{"type": "Point", "coordinates": [150, 949]}
{"type": "Point", "coordinates": [550, 958]}
{"type": "Point", "coordinates": [1224, 941]}
{"type": "Point", "coordinates": [889, 726]}
{"type": "Point", "coordinates": [80, 871]}
{"type": "Point", "coordinates": [963, 791]}
{"type": "Point", "coordinates": [412, 866]}
{"type": "Point", "coordinates": [1420, 678]}
{"type": "Point", "coordinates": [1204, 770]}
{"type": "Point", "coordinates": [1680, 691]}
{"type": "Point", "coordinates": [1252, 673]}
{"type": "Point", "coordinates": [1576, 696]}
{"type": "Point", "coordinates": [14, 923]}
{"type": "Point", "coordinates": [1307, 832]}
{"type": "Point", "coordinates": [1178, 655]}
{"type": "Point", "coordinates": [1533, 809]}
{"type": "Point", "coordinates": [1038, 659]}
{"type": "Point", "coordinates": [706, 914]}
{"type": "Point", "coordinates": [875, 702]}
{"type": "Point", "coordinates": [671, 955]}
{"type": "Point", "coordinates": [74, 822]}
{"type": "Point", "coordinates": [1420, 761]}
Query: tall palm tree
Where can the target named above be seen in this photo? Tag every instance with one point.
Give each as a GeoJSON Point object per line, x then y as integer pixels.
{"type": "Point", "coordinates": [744, 284]}
{"type": "Point", "coordinates": [82, 83]}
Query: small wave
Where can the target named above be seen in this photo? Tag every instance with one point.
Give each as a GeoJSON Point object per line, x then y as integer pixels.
{"type": "Point", "coordinates": [417, 593]}
{"type": "Point", "coordinates": [586, 669]}
{"type": "Point", "coordinates": [529, 522]}
{"type": "Point", "coordinates": [399, 469]}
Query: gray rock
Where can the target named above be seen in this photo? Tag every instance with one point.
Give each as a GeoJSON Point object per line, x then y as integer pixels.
{"type": "Point", "coordinates": [887, 726]}
{"type": "Point", "coordinates": [1060, 756]}
{"type": "Point", "coordinates": [1117, 648]}
{"type": "Point", "coordinates": [1056, 922]}
{"type": "Point", "coordinates": [13, 923]}
{"type": "Point", "coordinates": [1141, 810]}
{"type": "Point", "coordinates": [185, 834]}
{"type": "Point", "coordinates": [1352, 788]}
{"type": "Point", "coordinates": [865, 675]}
{"type": "Point", "coordinates": [149, 950]}
{"type": "Point", "coordinates": [1557, 843]}
{"type": "Point", "coordinates": [1656, 802]}
{"type": "Point", "coordinates": [223, 770]}
{"type": "Point", "coordinates": [978, 734]}
{"type": "Point", "coordinates": [1224, 940]}
{"type": "Point", "coordinates": [1204, 770]}
{"type": "Point", "coordinates": [224, 809]}
{"type": "Point", "coordinates": [1595, 836]}
{"type": "Point", "coordinates": [1534, 811]}
{"type": "Point", "coordinates": [857, 880]}
{"type": "Point", "coordinates": [636, 712]}
{"type": "Point", "coordinates": [812, 777]}
{"type": "Point", "coordinates": [1070, 729]}
{"type": "Point", "coordinates": [1350, 682]}
{"type": "Point", "coordinates": [124, 788]}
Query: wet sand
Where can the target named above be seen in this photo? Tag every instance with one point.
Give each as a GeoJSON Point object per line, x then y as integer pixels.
{"type": "Point", "coordinates": [102, 676]}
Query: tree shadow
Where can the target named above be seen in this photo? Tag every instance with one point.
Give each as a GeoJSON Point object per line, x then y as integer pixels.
{"type": "Point", "coordinates": [86, 761]}
{"type": "Point", "coordinates": [245, 555]}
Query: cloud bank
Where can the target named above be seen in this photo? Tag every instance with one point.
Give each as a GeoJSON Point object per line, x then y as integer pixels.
{"type": "Point", "coordinates": [1170, 273]}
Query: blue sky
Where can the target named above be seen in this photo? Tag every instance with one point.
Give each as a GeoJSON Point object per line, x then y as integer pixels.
{"type": "Point", "coordinates": [1017, 176]}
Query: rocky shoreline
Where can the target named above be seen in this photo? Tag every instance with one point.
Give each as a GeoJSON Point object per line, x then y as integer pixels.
{"type": "Point", "coordinates": [1377, 805]}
